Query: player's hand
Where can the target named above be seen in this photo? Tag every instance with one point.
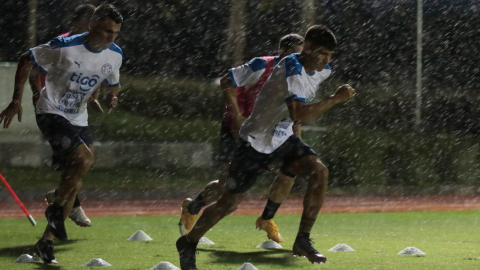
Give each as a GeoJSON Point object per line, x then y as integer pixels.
{"type": "Point", "coordinates": [237, 123]}
{"type": "Point", "coordinates": [95, 104]}
{"type": "Point", "coordinates": [9, 113]}
{"type": "Point", "coordinates": [297, 129]}
{"type": "Point", "coordinates": [344, 93]}
{"type": "Point", "coordinates": [112, 102]}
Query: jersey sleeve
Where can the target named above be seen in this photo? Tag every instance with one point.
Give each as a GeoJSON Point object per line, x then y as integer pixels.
{"type": "Point", "coordinates": [296, 89]}
{"type": "Point", "coordinates": [114, 77]}
{"type": "Point", "coordinates": [248, 74]}
{"type": "Point", "coordinates": [44, 56]}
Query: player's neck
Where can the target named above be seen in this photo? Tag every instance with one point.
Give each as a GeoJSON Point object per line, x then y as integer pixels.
{"type": "Point", "coordinates": [308, 69]}
{"type": "Point", "coordinates": [91, 44]}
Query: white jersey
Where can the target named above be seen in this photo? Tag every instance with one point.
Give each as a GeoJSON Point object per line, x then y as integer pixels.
{"type": "Point", "coordinates": [269, 125]}
{"type": "Point", "coordinates": [74, 71]}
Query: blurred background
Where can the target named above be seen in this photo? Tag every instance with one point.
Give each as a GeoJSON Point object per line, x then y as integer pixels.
{"type": "Point", "coordinates": [412, 129]}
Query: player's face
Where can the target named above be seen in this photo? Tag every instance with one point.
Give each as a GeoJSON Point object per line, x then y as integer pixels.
{"type": "Point", "coordinates": [104, 32]}
{"type": "Point", "coordinates": [320, 58]}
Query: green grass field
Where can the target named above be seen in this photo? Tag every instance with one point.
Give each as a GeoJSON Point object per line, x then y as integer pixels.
{"type": "Point", "coordinates": [451, 240]}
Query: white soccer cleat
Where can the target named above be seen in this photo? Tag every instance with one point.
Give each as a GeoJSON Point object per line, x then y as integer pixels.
{"type": "Point", "coordinates": [78, 216]}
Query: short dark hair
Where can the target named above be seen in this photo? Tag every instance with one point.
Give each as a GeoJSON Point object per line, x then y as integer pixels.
{"type": "Point", "coordinates": [83, 12]}
{"type": "Point", "coordinates": [107, 11]}
{"type": "Point", "coordinates": [321, 36]}
{"type": "Point", "coordinates": [290, 40]}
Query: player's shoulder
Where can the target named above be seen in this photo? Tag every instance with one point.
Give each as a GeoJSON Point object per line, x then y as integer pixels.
{"type": "Point", "coordinates": [293, 65]}
{"type": "Point", "coordinates": [62, 42]}
{"type": "Point", "coordinates": [258, 63]}
{"type": "Point", "coordinates": [115, 48]}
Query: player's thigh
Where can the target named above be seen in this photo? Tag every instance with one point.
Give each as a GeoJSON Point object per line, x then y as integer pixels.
{"type": "Point", "coordinates": [246, 165]}
{"type": "Point", "coordinates": [307, 166]}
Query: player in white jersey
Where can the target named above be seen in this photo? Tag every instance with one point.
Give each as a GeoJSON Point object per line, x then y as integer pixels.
{"type": "Point", "coordinates": [79, 25]}
{"type": "Point", "coordinates": [240, 88]}
{"type": "Point", "coordinates": [75, 66]}
{"type": "Point", "coordinates": [267, 136]}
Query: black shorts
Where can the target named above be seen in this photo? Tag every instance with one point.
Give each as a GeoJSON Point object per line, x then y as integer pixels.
{"type": "Point", "coordinates": [247, 163]}
{"type": "Point", "coordinates": [228, 143]}
{"type": "Point", "coordinates": [62, 136]}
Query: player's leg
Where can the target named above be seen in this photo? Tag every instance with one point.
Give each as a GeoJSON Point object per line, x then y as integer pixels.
{"type": "Point", "coordinates": [316, 174]}
{"type": "Point", "coordinates": [214, 189]}
{"type": "Point", "coordinates": [77, 158]}
{"type": "Point", "coordinates": [244, 169]}
{"type": "Point", "coordinates": [80, 160]}
{"type": "Point", "coordinates": [78, 165]}
{"type": "Point", "coordinates": [77, 214]}
{"type": "Point", "coordinates": [278, 192]}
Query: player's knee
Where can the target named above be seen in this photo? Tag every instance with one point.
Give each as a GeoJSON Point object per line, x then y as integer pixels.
{"type": "Point", "coordinates": [319, 174]}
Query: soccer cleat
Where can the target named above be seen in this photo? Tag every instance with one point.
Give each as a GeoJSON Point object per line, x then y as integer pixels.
{"type": "Point", "coordinates": [78, 216]}
{"type": "Point", "coordinates": [270, 227]}
{"type": "Point", "coordinates": [50, 197]}
{"type": "Point", "coordinates": [304, 247]}
{"type": "Point", "coordinates": [187, 220]}
{"type": "Point", "coordinates": [44, 250]}
{"type": "Point", "coordinates": [54, 214]}
{"type": "Point", "coordinates": [187, 251]}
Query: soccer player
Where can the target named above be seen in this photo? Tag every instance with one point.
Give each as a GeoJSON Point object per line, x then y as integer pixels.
{"type": "Point", "coordinates": [75, 66]}
{"type": "Point", "coordinates": [267, 136]}
{"type": "Point", "coordinates": [240, 89]}
{"type": "Point", "coordinates": [80, 23]}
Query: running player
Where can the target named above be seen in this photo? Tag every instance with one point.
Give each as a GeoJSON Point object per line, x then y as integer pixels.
{"type": "Point", "coordinates": [240, 89]}
{"type": "Point", "coordinates": [267, 136]}
{"type": "Point", "coordinates": [75, 66]}
{"type": "Point", "coordinates": [80, 23]}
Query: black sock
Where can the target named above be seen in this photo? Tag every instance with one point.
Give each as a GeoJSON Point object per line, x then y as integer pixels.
{"type": "Point", "coordinates": [270, 209]}
{"type": "Point", "coordinates": [77, 202]}
{"type": "Point", "coordinates": [196, 205]}
{"type": "Point", "coordinates": [303, 235]}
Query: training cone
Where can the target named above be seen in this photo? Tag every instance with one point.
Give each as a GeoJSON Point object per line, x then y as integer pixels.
{"type": "Point", "coordinates": [247, 266]}
{"type": "Point", "coordinates": [269, 245]}
{"type": "Point", "coordinates": [164, 265]}
{"type": "Point", "coordinates": [341, 247]}
{"type": "Point", "coordinates": [97, 262]}
{"type": "Point", "coordinates": [205, 241]}
{"type": "Point", "coordinates": [411, 251]}
{"type": "Point", "coordinates": [25, 258]}
{"type": "Point", "coordinates": [140, 236]}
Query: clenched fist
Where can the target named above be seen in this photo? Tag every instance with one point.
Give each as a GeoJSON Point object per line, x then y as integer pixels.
{"type": "Point", "coordinates": [344, 93]}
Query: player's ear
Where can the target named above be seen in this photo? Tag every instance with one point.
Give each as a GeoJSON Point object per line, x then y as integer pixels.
{"type": "Point", "coordinates": [307, 48]}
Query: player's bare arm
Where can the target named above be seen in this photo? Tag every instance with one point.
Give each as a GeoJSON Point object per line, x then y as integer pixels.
{"type": "Point", "coordinates": [112, 97]}
{"type": "Point", "coordinates": [306, 112]}
{"type": "Point", "coordinates": [93, 102]}
{"type": "Point", "coordinates": [34, 80]}
{"type": "Point", "coordinates": [229, 92]}
{"type": "Point", "coordinates": [21, 76]}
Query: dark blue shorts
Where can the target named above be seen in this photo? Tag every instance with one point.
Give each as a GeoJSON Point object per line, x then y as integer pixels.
{"type": "Point", "coordinates": [62, 136]}
{"type": "Point", "coordinates": [247, 163]}
{"type": "Point", "coordinates": [228, 143]}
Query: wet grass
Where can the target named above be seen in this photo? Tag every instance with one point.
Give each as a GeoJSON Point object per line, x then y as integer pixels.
{"type": "Point", "coordinates": [451, 240]}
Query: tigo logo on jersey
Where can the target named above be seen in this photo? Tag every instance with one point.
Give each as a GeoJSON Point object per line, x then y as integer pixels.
{"type": "Point", "coordinates": [106, 69]}
{"type": "Point", "coordinates": [86, 82]}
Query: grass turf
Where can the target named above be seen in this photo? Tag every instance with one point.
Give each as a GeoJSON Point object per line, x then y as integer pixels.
{"type": "Point", "coordinates": [451, 240]}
